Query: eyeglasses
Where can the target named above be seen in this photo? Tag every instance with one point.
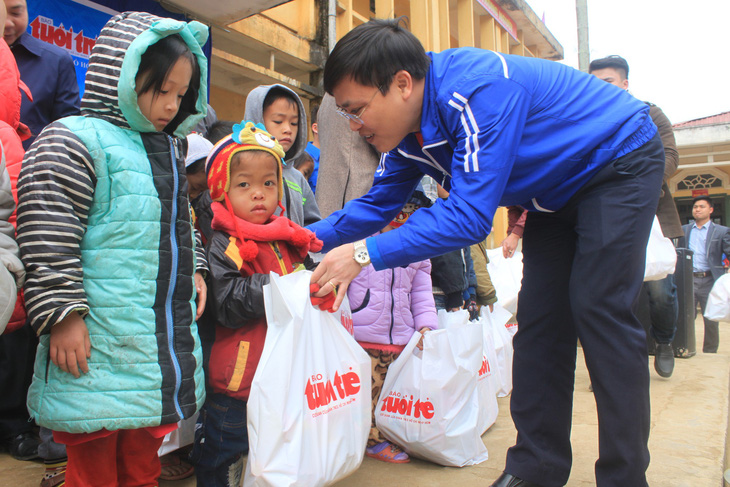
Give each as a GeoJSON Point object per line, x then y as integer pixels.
{"type": "Point", "coordinates": [357, 117]}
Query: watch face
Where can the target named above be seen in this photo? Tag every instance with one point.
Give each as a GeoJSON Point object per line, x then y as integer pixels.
{"type": "Point", "coordinates": [361, 256]}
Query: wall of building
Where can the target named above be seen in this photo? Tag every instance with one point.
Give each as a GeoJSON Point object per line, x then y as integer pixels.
{"type": "Point", "coordinates": [704, 169]}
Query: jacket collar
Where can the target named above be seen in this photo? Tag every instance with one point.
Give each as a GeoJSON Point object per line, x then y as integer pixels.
{"type": "Point", "coordinates": [430, 118]}
{"type": "Point", "coordinates": [30, 44]}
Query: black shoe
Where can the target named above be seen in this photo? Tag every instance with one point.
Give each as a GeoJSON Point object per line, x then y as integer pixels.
{"type": "Point", "coordinates": [664, 359]}
{"type": "Point", "coordinates": [25, 446]}
{"type": "Point", "coordinates": [507, 480]}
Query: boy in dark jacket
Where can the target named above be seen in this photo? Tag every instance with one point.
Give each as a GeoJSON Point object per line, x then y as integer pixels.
{"type": "Point", "coordinates": [248, 242]}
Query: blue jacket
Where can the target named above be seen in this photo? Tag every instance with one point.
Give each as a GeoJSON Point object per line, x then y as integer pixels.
{"type": "Point", "coordinates": [49, 73]}
{"type": "Point", "coordinates": [313, 151]}
{"type": "Point", "coordinates": [497, 130]}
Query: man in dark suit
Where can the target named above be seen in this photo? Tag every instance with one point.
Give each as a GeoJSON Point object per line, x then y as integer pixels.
{"type": "Point", "coordinates": [708, 241]}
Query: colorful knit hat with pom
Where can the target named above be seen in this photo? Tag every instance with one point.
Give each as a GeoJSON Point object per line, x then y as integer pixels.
{"type": "Point", "coordinates": [246, 136]}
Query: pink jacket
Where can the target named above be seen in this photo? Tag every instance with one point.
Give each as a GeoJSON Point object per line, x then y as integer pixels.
{"type": "Point", "coordinates": [389, 305]}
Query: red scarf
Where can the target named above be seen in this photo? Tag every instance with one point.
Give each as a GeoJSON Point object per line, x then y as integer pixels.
{"type": "Point", "coordinates": [277, 228]}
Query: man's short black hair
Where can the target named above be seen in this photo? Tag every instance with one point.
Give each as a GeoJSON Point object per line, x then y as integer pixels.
{"type": "Point", "coordinates": [703, 198]}
{"type": "Point", "coordinates": [615, 62]}
{"type": "Point", "coordinates": [373, 52]}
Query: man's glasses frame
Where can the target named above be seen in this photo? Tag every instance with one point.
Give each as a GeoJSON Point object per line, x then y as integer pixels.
{"type": "Point", "coordinates": [357, 117]}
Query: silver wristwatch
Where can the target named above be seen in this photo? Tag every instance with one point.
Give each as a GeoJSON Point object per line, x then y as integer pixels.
{"type": "Point", "coordinates": [362, 256]}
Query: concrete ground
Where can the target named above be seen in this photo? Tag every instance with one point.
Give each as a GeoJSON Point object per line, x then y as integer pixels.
{"type": "Point", "coordinates": [688, 442]}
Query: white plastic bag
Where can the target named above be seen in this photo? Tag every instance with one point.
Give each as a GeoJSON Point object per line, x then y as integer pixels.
{"type": "Point", "coordinates": [718, 301]}
{"type": "Point", "coordinates": [184, 435]}
{"type": "Point", "coordinates": [506, 275]}
{"type": "Point", "coordinates": [309, 408]}
{"type": "Point", "coordinates": [488, 381]}
{"type": "Point", "coordinates": [661, 256]}
{"type": "Point", "coordinates": [429, 404]}
{"type": "Point", "coordinates": [495, 323]}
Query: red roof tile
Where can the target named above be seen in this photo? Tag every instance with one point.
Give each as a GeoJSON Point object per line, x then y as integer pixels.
{"type": "Point", "coordinates": [701, 122]}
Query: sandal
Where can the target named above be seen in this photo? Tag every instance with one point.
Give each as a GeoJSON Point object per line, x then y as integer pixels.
{"type": "Point", "coordinates": [175, 468]}
{"type": "Point", "coordinates": [54, 475]}
{"type": "Point", "coordinates": [387, 452]}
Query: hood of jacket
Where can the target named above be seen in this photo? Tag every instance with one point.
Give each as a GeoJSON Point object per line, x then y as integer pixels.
{"type": "Point", "coordinates": [255, 113]}
{"type": "Point", "coordinates": [110, 80]}
{"type": "Point", "coordinates": [10, 86]}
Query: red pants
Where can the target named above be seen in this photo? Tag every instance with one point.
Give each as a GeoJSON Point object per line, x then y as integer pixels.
{"type": "Point", "coordinates": [125, 458]}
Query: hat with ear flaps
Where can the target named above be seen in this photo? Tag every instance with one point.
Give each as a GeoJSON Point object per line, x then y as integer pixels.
{"type": "Point", "coordinates": [246, 136]}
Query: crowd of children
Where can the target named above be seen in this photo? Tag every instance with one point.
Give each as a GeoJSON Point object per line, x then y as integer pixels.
{"type": "Point", "coordinates": [144, 319]}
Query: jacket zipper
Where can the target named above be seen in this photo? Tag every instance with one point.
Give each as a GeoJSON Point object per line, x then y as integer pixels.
{"type": "Point", "coordinates": [173, 278]}
{"type": "Point", "coordinates": [275, 248]}
{"type": "Point", "coordinates": [392, 305]}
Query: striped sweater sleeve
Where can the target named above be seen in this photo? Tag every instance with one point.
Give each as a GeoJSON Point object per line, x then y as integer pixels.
{"type": "Point", "coordinates": [201, 260]}
{"type": "Point", "coordinates": [55, 191]}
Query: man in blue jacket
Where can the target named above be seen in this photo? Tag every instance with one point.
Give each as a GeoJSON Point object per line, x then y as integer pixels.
{"type": "Point", "coordinates": [496, 130]}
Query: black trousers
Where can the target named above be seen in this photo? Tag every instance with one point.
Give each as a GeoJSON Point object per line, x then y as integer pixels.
{"type": "Point", "coordinates": [583, 269]}
{"type": "Point", "coordinates": [17, 355]}
{"type": "Point", "coordinates": [703, 286]}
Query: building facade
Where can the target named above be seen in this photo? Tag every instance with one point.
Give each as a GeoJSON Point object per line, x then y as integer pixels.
{"type": "Point", "coordinates": [704, 166]}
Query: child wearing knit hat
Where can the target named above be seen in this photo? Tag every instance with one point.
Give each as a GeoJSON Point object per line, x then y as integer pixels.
{"type": "Point", "coordinates": [248, 242]}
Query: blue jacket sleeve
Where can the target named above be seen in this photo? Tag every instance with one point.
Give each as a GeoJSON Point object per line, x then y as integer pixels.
{"type": "Point", "coordinates": [486, 129]}
{"type": "Point", "coordinates": [395, 179]}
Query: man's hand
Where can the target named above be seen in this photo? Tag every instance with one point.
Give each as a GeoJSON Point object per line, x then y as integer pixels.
{"type": "Point", "coordinates": [509, 245]}
{"type": "Point", "coordinates": [70, 345]}
{"type": "Point", "coordinates": [336, 271]}
{"type": "Point", "coordinates": [202, 290]}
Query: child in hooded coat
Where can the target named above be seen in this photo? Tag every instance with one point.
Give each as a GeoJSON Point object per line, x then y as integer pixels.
{"type": "Point", "coordinates": [282, 113]}
{"type": "Point", "coordinates": [113, 265]}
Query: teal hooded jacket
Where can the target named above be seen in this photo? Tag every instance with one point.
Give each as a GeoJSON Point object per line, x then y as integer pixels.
{"type": "Point", "coordinates": [105, 223]}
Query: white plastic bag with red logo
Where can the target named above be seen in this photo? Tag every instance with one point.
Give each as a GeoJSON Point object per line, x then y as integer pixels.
{"type": "Point", "coordinates": [429, 404]}
{"type": "Point", "coordinates": [495, 322]}
{"type": "Point", "coordinates": [488, 378]}
{"type": "Point", "coordinates": [309, 409]}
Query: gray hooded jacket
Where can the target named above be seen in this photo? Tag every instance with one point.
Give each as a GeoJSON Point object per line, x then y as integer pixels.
{"type": "Point", "coordinates": [12, 273]}
{"type": "Point", "coordinates": [298, 198]}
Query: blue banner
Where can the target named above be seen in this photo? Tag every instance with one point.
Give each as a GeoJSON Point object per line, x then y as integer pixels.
{"type": "Point", "coordinates": [74, 25]}
{"type": "Point", "coordinates": [71, 26]}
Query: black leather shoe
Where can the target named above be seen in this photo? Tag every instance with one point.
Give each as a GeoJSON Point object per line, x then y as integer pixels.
{"type": "Point", "coordinates": [507, 480]}
{"type": "Point", "coordinates": [25, 446]}
{"type": "Point", "coordinates": [664, 359]}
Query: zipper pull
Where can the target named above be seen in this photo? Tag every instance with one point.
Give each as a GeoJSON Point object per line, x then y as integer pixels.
{"type": "Point", "coordinates": [276, 250]}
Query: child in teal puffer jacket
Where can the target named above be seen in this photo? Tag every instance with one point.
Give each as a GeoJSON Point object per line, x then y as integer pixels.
{"type": "Point", "coordinates": [106, 236]}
